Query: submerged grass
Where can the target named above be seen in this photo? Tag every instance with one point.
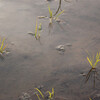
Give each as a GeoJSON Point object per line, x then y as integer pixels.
{"type": "Point", "coordinates": [42, 96]}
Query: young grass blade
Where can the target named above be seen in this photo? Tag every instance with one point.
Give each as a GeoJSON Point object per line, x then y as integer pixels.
{"type": "Point", "coordinates": [4, 47]}
{"type": "Point", "coordinates": [59, 14]}
{"type": "Point", "coordinates": [2, 44]}
{"type": "Point", "coordinates": [40, 92]}
{"type": "Point", "coordinates": [36, 29]}
{"type": "Point", "coordinates": [90, 61]}
{"type": "Point", "coordinates": [50, 12]}
{"type": "Point", "coordinates": [52, 91]}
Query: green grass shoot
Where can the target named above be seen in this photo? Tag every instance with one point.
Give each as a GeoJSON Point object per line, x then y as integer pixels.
{"type": "Point", "coordinates": [2, 47]}
{"type": "Point", "coordinates": [94, 60]}
{"type": "Point", "coordinates": [59, 14]}
{"type": "Point", "coordinates": [50, 12]}
{"type": "Point", "coordinates": [36, 30]}
{"type": "Point", "coordinates": [40, 93]}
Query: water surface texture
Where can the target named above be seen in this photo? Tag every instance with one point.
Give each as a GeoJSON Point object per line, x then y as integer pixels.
{"type": "Point", "coordinates": [32, 63]}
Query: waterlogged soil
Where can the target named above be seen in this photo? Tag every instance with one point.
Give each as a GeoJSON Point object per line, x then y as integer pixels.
{"type": "Point", "coordinates": [32, 63]}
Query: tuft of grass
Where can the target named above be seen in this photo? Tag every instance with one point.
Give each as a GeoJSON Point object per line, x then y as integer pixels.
{"type": "Point", "coordinates": [93, 61]}
{"type": "Point", "coordinates": [53, 16]}
{"type": "Point", "coordinates": [2, 47]}
{"type": "Point", "coordinates": [36, 30]}
{"type": "Point", "coordinates": [50, 96]}
{"type": "Point", "coordinates": [37, 34]}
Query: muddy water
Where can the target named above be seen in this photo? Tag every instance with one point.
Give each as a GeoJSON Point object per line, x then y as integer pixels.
{"type": "Point", "coordinates": [32, 63]}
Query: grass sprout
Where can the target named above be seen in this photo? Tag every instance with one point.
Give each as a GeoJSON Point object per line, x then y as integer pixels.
{"type": "Point", "coordinates": [2, 47]}
{"type": "Point", "coordinates": [37, 30]}
{"type": "Point", "coordinates": [41, 96]}
{"type": "Point", "coordinates": [93, 61]}
{"type": "Point", "coordinates": [52, 16]}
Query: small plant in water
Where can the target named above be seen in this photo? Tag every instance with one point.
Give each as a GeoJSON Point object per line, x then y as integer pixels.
{"type": "Point", "coordinates": [37, 34]}
{"type": "Point", "coordinates": [2, 47]}
{"type": "Point", "coordinates": [53, 17]}
{"type": "Point", "coordinates": [43, 97]}
{"type": "Point", "coordinates": [37, 30]}
{"type": "Point", "coordinates": [93, 61]}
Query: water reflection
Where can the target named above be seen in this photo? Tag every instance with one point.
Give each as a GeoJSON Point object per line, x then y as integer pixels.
{"type": "Point", "coordinates": [92, 73]}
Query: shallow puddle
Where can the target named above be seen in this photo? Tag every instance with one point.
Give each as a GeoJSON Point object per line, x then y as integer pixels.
{"type": "Point", "coordinates": [32, 63]}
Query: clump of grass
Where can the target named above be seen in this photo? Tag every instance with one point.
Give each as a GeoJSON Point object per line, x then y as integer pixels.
{"type": "Point", "coordinates": [52, 16]}
{"type": "Point", "coordinates": [93, 61]}
{"type": "Point", "coordinates": [42, 96]}
{"type": "Point", "coordinates": [37, 30]}
{"type": "Point", "coordinates": [2, 47]}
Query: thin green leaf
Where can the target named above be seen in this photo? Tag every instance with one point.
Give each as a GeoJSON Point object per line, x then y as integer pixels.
{"type": "Point", "coordinates": [2, 44]}
{"type": "Point", "coordinates": [40, 92]}
{"type": "Point", "coordinates": [4, 47]}
{"type": "Point", "coordinates": [36, 29]}
{"type": "Point", "coordinates": [59, 14]}
{"type": "Point", "coordinates": [89, 61]}
{"type": "Point", "coordinates": [50, 12]}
